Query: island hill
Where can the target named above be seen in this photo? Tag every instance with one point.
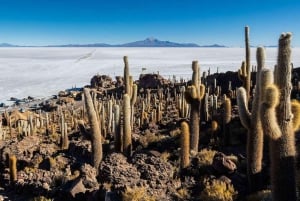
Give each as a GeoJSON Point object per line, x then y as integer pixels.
{"type": "Point", "coordinates": [148, 42]}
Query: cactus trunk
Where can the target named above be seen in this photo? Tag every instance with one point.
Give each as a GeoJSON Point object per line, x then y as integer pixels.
{"type": "Point", "coordinates": [95, 128]}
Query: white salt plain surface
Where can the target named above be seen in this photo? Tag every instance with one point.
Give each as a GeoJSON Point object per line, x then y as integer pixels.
{"type": "Point", "coordinates": [42, 72]}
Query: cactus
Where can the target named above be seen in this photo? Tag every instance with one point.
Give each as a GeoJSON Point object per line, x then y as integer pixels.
{"type": "Point", "coordinates": [251, 121]}
{"type": "Point", "coordinates": [127, 144]}
{"type": "Point", "coordinates": [248, 64]}
{"type": "Point", "coordinates": [280, 128]}
{"type": "Point", "coordinates": [185, 145]}
{"type": "Point", "coordinates": [118, 137]}
{"type": "Point", "coordinates": [226, 121]}
{"type": "Point", "coordinates": [296, 110]}
{"type": "Point", "coordinates": [193, 96]}
{"type": "Point", "coordinates": [132, 102]}
{"type": "Point", "coordinates": [126, 75]}
{"type": "Point", "coordinates": [242, 74]}
{"type": "Point", "coordinates": [95, 129]}
{"type": "Point", "coordinates": [65, 139]}
{"type": "Point", "coordinates": [13, 168]}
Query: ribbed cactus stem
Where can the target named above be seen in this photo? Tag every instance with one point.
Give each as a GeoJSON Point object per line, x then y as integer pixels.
{"type": "Point", "coordinates": [13, 168]}
{"type": "Point", "coordinates": [195, 75]}
{"type": "Point", "coordinates": [226, 121]}
{"type": "Point", "coordinates": [65, 139]}
{"type": "Point", "coordinates": [118, 137]}
{"type": "Point", "coordinates": [95, 129]}
{"type": "Point", "coordinates": [185, 145]}
{"type": "Point", "coordinates": [127, 141]}
{"type": "Point", "coordinates": [110, 116]}
{"type": "Point", "coordinates": [283, 150]}
{"type": "Point", "coordinates": [248, 64]}
{"type": "Point", "coordinates": [132, 103]}
{"type": "Point", "coordinates": [126, 75]}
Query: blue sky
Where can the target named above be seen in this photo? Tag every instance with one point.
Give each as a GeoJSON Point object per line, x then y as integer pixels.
{"type": "Point", "coordinates": [48, 22]}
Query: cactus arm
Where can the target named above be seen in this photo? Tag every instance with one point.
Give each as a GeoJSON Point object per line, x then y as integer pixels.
{"type": "Point", "coordinates": [243, 107]}
{"type": "Point", "coordinates": [268, 114]}
{"type": "Point", "coordinates": [296, 114]}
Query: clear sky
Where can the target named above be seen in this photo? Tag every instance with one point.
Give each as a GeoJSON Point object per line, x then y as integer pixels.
{"type": "Point", "coordinates": [49, 22]}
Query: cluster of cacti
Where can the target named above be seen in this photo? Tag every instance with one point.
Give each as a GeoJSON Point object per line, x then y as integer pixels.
{"type": "Point", "coordinates": [193, 96]}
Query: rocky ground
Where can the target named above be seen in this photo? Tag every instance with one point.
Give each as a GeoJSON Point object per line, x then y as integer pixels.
{"type": "Point", "coordinates": [48, 171]}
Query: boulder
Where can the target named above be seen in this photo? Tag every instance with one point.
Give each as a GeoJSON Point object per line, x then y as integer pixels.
{"type": "Point", "coordinates": [151, 81]}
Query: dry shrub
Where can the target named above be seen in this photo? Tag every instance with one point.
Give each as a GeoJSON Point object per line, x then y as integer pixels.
{"type": "Point", "coordinates": [149, 138]}
{"type": "Point", "coordinates": [165, 156]}
{"type": "Point", "coordinates": [136, 194]}
{"type": "Point", "coordinates": [182, 194]}
{"type": "Point", "coordinates": [40, 198]}
{"type": "Point", "coordinates": [206, 156]}
{"type": "Point", "coordinates": [217, 190]}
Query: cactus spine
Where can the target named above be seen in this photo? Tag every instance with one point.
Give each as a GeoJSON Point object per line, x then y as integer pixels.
{"type": "Point", "coordinates": [13, 168]}
{"type": "Point", "coordinates": [251, 121]}
{"type": "Point", "coordinates": [95, 128]}
{"type": "Point", "coordinates": [281, 132]}
{"type": "Point", "coordinates": [127, 144]}
{"type": "Point", "coordinates": [185, 145]}
{"type": "Point", "coordinates": [193, 96]}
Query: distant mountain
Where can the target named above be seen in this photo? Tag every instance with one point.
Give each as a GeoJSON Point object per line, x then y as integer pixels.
{"type": "Point", "coordinates": [148, 42]}
{"type": "Point", "coordinates": [214, 45]}
{"type": "Point", "coordinates": [7, 45]}
{"type": "Point", "coordinates": [153, 42]}
{"type": "Point", "coordinates": [82, 45]}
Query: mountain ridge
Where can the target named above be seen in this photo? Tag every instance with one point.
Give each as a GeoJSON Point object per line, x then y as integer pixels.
{"type": "Point", "coordinates": [148, 42]}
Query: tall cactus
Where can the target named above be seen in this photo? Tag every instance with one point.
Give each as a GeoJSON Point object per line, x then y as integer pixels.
{"type": "Point", "coordinates": [280, 128]}
{"type": "Point", "coordinates": [251, 121]}
{"type": "Point", "coordinates": [117, 136]}
{"type": "Point", "coordinates": [126, 75]}
{"type": "Point", "coordinates": [127, 141]}
{"type": "Point", "coordinates": [95, 129]}
{"type": "Point", "coordinates": [185, 145]}
{"type": "Point", "coordinates": [248, 64]}
{"type": "Point", "coordinates": [226, 120]}
{"type": "Point", "coordinates": [132, 102]}
{"type": "Point", "coordinates": [193, 96]}
{"type": "Point", "coordinates": [13, 168]}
